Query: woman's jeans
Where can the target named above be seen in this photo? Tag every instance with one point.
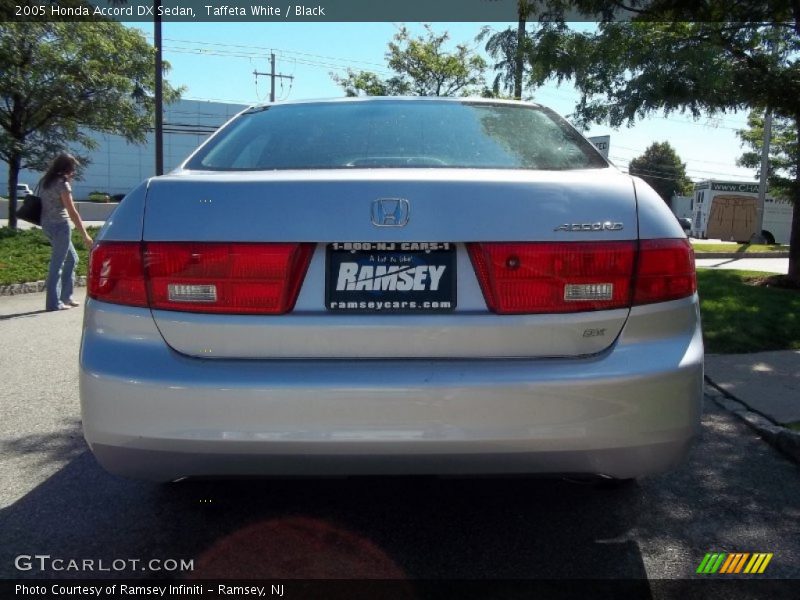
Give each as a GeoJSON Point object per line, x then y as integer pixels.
{"type": "Point", "coordinates": [63, 260]}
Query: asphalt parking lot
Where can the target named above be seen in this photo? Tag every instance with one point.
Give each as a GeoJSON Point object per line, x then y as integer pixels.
{"type": "Point", "coordinates": [735, 494]}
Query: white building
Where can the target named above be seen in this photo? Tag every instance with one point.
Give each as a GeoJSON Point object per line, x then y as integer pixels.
{"type": "Point", "coordinates": [117, 167]}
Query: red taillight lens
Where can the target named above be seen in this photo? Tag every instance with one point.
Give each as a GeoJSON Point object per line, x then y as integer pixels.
{"type": "Point", "coordinates": [554, 277]}
{"type": "Point", "coordinates": [116, 273]}
{"type": "Point", "coordinates": [665, 272]}
{"type": "Point", "coordinates": [238, 278]}
{"type": "Point", "coordinates": [234, 278]}
{"type": "Point", "coordinates": [575, 277]}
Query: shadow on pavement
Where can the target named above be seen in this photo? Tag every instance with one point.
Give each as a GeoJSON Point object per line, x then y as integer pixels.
{"type": "Point", "coordinates": [334, 528]}
{"type": "Point", "coordinates": [420, 528]}
{"type": "Point", "coordinates": [61, 446]}
{"type": "Point", "coordinates": [22, 314]}
{"type": "Point", "coordinates": [736, 494]}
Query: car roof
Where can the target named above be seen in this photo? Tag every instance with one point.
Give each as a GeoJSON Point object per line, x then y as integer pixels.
{"type": "Point", "coordinates": [470, 99]}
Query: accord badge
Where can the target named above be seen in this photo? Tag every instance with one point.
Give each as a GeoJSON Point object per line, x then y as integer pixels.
{"type": "Point", "coordinates": [607, 226]}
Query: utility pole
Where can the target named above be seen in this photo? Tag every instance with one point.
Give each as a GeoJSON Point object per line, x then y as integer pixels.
{"type": "Point", "coordinates": [159, 99]}
{"type": "Point", "coordinates": [758, 237]}
{"type": "Point", "coordinates": [273, 76]}
{"type": "Point", "coordinates": [158, 129]}
{"type": "Point", "coordinates": [519, 59]}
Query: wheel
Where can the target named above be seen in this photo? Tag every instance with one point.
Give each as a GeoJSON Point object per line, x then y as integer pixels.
{"type": "Point", "coordinates": [768, 237]}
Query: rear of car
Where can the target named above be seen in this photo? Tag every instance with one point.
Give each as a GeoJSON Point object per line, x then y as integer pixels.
{"type": "Point", "coordinates": [381, 286]}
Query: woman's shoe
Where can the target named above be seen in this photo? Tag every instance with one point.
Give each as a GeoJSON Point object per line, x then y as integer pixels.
{"type": "Point", "coordinates": [61, 306]}
{"type": "Point", "coordinates": [71, 302]}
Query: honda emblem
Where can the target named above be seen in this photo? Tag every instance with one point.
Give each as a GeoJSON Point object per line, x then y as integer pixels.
{"type": "Point", "coordinates": [390, 212]}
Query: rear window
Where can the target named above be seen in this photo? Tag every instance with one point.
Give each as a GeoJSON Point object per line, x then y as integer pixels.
{"type": "Point", "coordinates": [397, 134]}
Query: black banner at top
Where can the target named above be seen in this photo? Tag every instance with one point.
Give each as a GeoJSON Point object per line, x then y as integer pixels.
{"type": "Point", "coordinates": [222, 11]}
{"type": "Point", "coordinates": [261, 10]}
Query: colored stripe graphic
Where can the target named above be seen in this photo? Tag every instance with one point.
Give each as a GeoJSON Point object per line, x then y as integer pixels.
{"type": "Point", "coordinates": [717, 564]}
{"type": "Point", "coordinates": [734, 563]}
{"type": "Point", "coordinates": [751, 564]}
{"type": "Point", "coordinates": [765, 563]}
{"type": "Point", "coordinates": [711, 563]}
{"type": "Point", "coordinates": [728, 564]}
{"type": "Point", "coordinates": [703, 563]}
{"type": "Point", "coordinates": [741, 563]}
{"type": "Point", "coordinates": [732, 560]}
{"type": "Point", "coordinates": [758, 564]}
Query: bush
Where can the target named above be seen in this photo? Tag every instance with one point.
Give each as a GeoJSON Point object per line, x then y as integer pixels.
{"type": "Point", "coordinates": [25, 254]}
{"type": "Point", "coordinates": [99, 197]}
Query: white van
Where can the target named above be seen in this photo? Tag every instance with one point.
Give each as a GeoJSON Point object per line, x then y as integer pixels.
{"type": "Point", "coordinates": [727, 210]}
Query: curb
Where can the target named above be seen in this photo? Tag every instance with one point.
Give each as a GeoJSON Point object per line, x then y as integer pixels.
{"type": "Point", "coordinates": [33, 287]}
{"type": "Point", "coordinates": [784, 439]}
{"type": "Point", "coordinates": [741, 255]}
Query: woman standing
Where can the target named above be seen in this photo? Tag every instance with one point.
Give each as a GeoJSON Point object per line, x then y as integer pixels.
{"type": "Point", "coordinates": [57, 205]}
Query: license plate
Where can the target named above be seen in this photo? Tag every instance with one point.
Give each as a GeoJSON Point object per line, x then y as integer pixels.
{"type": "Point", "coordinates": [390, 277]}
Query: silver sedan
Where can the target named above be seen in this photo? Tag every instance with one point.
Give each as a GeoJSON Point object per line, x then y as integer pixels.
{"type": "Point", "coordinates": [392, 285]}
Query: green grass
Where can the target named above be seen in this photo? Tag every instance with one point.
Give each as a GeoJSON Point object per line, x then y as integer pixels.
{"type": "Point", "coordinates": [738, 317]}
{"type": "Point", "coordinates": [24, 255]}
{"type": "Point", "coordinates": [710, 247]}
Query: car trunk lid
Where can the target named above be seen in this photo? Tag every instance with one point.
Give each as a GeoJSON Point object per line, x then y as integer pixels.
{"type": "Point", "coordinates": [462, 212]}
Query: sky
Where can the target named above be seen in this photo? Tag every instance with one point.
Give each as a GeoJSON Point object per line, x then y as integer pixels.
{"type": "Point", "coordinates": [215, 62]}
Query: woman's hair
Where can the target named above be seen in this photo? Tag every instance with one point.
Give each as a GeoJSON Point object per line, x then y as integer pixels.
{"type": "Point", "coordinates": [62, 165]}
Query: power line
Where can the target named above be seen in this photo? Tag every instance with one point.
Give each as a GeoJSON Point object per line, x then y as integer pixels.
{"type": "Point", "coordinates": [251, 51]}
{"type": "Point", "coordinates": [324, 65]}
{"type": "Point", "coordinates": [277, 50]}
{"type": "Point", "coordinates": [331, 62]}
{"type": "Point", "coordinates": [563, 97]}
{"type": "Point", "coordinates": [687, 158]}
{"type": "Point", "coordinates": [222, 100]}
{"type": "Point", "coordinates": [666, 174]}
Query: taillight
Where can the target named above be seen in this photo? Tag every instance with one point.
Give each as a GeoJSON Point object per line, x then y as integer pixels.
{"type": "Point", "coordinates": [582, 276]}
{"type": "Point", "coordinates": [665, 271]}
{"type": "Point", "coordinates": [239, 278]}
{"type": "Point", "coordinates": [232, 278]}
{"type": "Point", "coordinates": [554, 277]}
{"type": "Point", "coordinates": [116, 273]}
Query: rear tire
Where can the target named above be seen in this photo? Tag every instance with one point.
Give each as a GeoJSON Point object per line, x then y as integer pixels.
{"type": "Point", "coordinates": [768, 237]}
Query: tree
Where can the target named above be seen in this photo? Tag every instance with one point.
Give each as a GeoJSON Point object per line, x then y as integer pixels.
{"type": "Point", "coordinates": [422, 67]}
{"type": "Point", "coordinates": [733, 56]}
{"type": "Point", "coordinates": [782, 173]}
{"type": "Point", "coordinates": [58, 80]}
{"type": "Point", "coordinates": [661, 167]}
{"type": "Point", "coordinates": [508, 48]}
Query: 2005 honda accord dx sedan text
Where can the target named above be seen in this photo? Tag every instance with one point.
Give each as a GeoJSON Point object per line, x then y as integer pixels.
{"type": "Point", "coordinates": [392, 285]}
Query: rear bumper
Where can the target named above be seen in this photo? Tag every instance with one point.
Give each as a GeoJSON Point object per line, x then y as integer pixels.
{"type": "Point", "coordinates": [239, 461]}
{"type": "Point", "coordinates": [150, 412]}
